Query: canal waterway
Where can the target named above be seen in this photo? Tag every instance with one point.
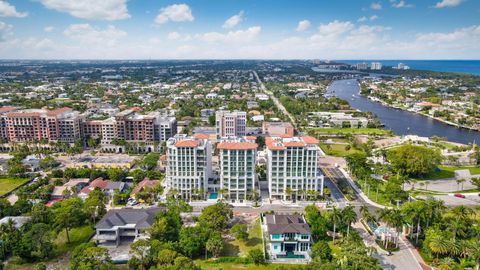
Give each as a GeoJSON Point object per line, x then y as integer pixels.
{"type": "Point", "coordinates": [399, 121]}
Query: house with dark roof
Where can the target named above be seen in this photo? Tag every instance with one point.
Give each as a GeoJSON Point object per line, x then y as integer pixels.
{"type": "Point", "coordinates": [125, 224]}
{"type": "Point", "coordinates": [287, 237]}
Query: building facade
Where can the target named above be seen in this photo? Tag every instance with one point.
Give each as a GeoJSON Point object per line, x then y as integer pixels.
{"type": "Point", "coordinates": [237, 168]}
{"type": "Point", "coordinates": [230, 124]}
{"type": "Point", "coordinates": [289, 237]}
{"type": "Point", "coordinates": [189, 165]}
{"type": "Point", "coordinates": [59, 125]}
{"type": "Point", "coordinates": [292, 167]}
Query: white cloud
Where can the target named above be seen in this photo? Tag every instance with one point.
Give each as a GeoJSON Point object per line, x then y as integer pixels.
{"type": "Point", "coordinates": [448, 3]}
{"type": "Point", "coordinates": [7, 10]}
{"type": "Point", "coordinates": [376, 6]}
{"type": "Point", "coordinates": [178, 36]}
{"type": "Point", "coordinates": [173, 35]}
{"type": "Point", "coordinates": [5, 31]}
{"type": "Point", "coordinates": [362, 19]}
{"type": "Point", "coordinates": [48, 29]}
{"type": "Point", "coordinates": [233, 21]}
{"type": "Point", "coordinates": [239, 36]}
{"type": "Point", "coordinates": [400, 4]}
{"type": "Point", "coordinates": [109, 10]}
{"type": "Point", "coordinates": [88, 35]}
{"type": "Point", "coordinates": [335, 28]}
{"type": "Point", "coordinates": [175, 13]}
{"type": "Point", "coordinates": [303, 25]}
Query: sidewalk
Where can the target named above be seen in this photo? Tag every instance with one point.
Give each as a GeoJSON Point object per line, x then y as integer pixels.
{"type": "Point", "coordinates": [359, 192]}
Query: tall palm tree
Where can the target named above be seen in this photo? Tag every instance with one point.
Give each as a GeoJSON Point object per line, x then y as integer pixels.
{"type": "Point", "coordinates": [288, 192]}
{"type": "Point", "coordinates": [349, 216]}
{"type": "Point", "coordinates": [336, 218]}
{"type": "Point", "coordinates": [457, 226]}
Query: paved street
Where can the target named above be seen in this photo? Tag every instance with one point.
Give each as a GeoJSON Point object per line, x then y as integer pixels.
{"type": "Point", "coordinates": [274, 99]}
{"type": "Point", "coordinates": [400, 260]}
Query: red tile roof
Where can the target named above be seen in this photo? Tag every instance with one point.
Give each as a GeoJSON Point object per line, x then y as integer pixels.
{"type": "Point", "coordinates": [5, 109]}
{"type": "Point", "coordinates": [187, 143]}
{"type": "Point", "coordinates": [237, 145]}
{"type": "Point", "coordinates": [145, 184]}
{"type": "Point", "coordinates": [99, 182]}
{"type": "Point", "coordinates": [310, 140]}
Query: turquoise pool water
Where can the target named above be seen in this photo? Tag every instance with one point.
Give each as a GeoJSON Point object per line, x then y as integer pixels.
{"type": "Point", "coordinates": [213, 196]}
{"type": "Point", "coordinates": [290, 255]}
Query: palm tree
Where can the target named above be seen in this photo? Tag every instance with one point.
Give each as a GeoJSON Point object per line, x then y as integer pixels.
{"type": "Point", "coordinates": [438, 244]}
{"type": "Point", "coordinates": [288, 192]}
{"type": "Point", "coordinates": [414, 212]}
{"type": "Point", "coordinates": [473, 247]}
{"type": "Point", "coordinates": [349, 216]}
{"type": "Point", "coordinates": [460, 181]}
{"type": "Point", "coordinates": [457, 226]}
{"type": "Point", "coordinates": [335, 217]}
{"type": "Point", "coordinates": [222, 192]}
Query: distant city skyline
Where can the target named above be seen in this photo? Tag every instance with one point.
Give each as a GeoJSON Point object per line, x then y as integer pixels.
{"type": "Point", "coordinates": [233, 29]}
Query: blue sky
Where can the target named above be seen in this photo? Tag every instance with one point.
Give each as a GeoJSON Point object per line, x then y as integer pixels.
{"type": "Point", "coordinates": [240, 29]}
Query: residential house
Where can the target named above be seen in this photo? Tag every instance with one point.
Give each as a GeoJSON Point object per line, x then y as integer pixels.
{"type": "Point", "coordinates": [288, 237]}
{"type": "Point", "coordinates": [107, 186]}
{"type": "Point", "coordinates": [125, 224]}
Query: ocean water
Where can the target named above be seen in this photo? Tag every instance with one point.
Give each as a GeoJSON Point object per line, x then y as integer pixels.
{"type": "Point", "coordinates": [458, 66]}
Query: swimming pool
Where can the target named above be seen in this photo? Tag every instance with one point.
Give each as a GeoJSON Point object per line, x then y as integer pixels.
{"type": "Point", "coordinates": [213, 196]}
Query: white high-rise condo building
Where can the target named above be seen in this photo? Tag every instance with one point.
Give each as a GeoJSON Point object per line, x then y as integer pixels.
{"type": "Point", "coordinates": [189, 165]}
{"type": "Point", "coordinates": [237, 167]}
{"type": "Point", "coordinates": [292, 167]}
{"type": "Point", "coordinates": [376, 66]}
{"type": "Point", "coordinates": [231, 124]}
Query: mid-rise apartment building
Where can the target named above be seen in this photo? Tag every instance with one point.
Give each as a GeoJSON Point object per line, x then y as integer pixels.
{"type": "Point", "coordinates": [292, 166]}
{"type": "Point", "coordinates": [132, 127]}
{"type": "Point", "coordinates": [59, 125]}
{"type": "Point", "coordinates": [230, 124]}
{"type": "Point", "coordinates": [237, 167]}
{"type": "Point", "coordinates": [67, 125]}
{"type": "Point", "coordinates": [189, 165]}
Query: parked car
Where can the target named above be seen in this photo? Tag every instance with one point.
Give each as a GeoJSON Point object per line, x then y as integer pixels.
{"type": "Point", "coordinates": [132, 202]}
{"type": "Point", "coordinates": [458, 195]}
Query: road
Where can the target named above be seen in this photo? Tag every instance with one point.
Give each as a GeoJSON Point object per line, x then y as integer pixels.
{"type": "Point", "coordinates": [400, 260]}
{"type": "Point", "coordinates": [274, 99]}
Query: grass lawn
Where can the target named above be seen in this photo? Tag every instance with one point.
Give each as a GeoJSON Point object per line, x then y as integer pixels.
{"type": "Point", "coordinates": [355, 131]}
{"type": "Point", "coordinates": [382, 199]}
{"type": "Point", "coordinates": [448, 172]}
{"type": "Point", "coordinates": [338, 150]}
{"type": "Point", "coordinates": [235, 266]}
{"type": "Point", "coordinates": [240, 248]}
{"type": "Point", "coordinates": [8, 184]}
{"type": "Point", "coordinates": [77, 236]}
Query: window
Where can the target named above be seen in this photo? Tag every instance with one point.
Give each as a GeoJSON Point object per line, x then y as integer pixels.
{"type": "Point", "coordinates": [275, 236]}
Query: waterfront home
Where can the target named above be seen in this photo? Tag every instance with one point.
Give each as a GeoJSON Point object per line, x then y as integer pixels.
{"type": "Point", "coordinates": [288, 237]}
